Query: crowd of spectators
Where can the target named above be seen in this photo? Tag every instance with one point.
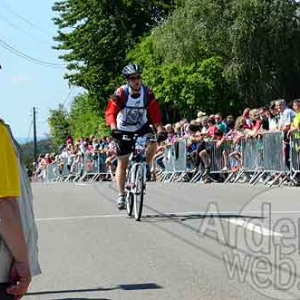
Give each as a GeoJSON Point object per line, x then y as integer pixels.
{"type": "Point", "coordinates": [101, 154]}
{"type": "Point", "coordinates": [198, 134]}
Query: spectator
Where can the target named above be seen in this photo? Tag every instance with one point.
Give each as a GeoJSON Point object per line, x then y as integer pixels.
{"type": "Point", "coordinates": [255, 122]}
{"type": "Point", "coordinates": [18, 254]}
{"type": "Point", "coordinates": [265, 114]}
{"type": "Point", "coordinates": [220, 124]}
{"type": "Point", "coordinates": [296, 122]}
{"type": "Point", "coordinates": [201, 114]}
{"type": "Point", "coordinates": [286, 115]}
{"type": "Point", "coordinates": [111, 154]}
{"type": "Point", "coordinates": [212, 128]}
{"type": "Point", "coordinates": [273, 117]}
{"type": "Point", "coordinates": [205, 125]}
{"type": "Point", "coordinates": [285, 121]}
{"type": "Point", "coordinates": [168, 127]}
{"type": "Point", "coordinates": [247, 118]}
{"type": "Point", "coordinates": [177, 129]}
{"type": "Point", "coordinates": [69, 140]}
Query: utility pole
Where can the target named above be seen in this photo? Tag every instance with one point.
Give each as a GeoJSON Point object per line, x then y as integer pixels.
{"type": "Point", "coordinates": [34, 135]}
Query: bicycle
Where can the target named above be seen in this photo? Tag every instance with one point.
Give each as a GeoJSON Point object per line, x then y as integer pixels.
{"type": "Point", "coordinates": [135, 185]}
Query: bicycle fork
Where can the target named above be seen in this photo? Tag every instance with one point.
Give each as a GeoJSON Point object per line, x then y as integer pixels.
{"type": "Point", "coordinates": [131, 186]}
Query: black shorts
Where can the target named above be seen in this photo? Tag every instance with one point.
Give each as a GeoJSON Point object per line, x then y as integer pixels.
{"type": "Point", "coordinates": [3, 294]}
{"type": "Point", "coordinates": [125, 147]}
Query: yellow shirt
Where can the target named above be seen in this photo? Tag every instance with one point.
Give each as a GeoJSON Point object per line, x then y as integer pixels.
{"type": "Point", "coordinates": [296, 121]}
{"type": "Point", "coordinates": [9, 170]}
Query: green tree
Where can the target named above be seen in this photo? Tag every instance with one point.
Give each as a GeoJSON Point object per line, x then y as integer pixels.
{"type": "Point", "coordinates": [59, 125]}
{"type": "Point", "coordinates": [96, 34]}
{"type": "Point", "coordinates": [265, 58]}
{"type": "Point", "coordinates": [196, 30]}
{"type": "Point", "coordinates": [258, 41]}
{"type": "Point", "coordinates": [85, 117]}
{"type": "Point", "coordinates": [184, 88]}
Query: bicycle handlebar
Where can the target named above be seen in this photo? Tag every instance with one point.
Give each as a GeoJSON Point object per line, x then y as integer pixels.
{"type": "Point", "coordinates": [133, 137]}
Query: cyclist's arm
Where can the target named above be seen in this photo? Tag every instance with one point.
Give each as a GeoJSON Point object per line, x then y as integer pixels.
{"type": "Point", "coordinates": [113, 108]}
{"type": "Point", "coordinates": [154, 113]}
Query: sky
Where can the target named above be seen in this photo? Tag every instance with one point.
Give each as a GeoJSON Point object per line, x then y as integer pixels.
{"type": "Point", "coordinates": [27, 26]}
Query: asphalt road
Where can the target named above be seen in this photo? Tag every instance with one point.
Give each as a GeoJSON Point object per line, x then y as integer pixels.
{"type": "Point", "coordinates": [194, 242]}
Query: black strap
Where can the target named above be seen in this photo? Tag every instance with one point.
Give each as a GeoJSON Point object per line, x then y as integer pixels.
{"type": "Point", "coordinates": [126, 92]}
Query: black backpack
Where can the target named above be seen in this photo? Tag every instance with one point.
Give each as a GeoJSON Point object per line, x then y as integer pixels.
{"type": "Point", "coordinates": [126, 92]}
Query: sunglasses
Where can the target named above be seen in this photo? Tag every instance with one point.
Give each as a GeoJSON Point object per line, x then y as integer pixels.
{"type": "Point", "coordinates": [134, 78]}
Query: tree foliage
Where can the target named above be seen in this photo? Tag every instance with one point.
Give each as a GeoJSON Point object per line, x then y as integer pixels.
{"type": "Point", "coordinates": [85, 118]}
{"type": "Point", "coordinates": [219, 55]}
{"type": "Point", "coordinates": [184, 88]}
{"type": "Point", "coordinates": [258, 41]}
{"type": "Point", "coordinates": [265, 58]}
{"type": "Point", "coordinates": [59, 125]}
{"type": "Point", "coordinates": [96, 34]}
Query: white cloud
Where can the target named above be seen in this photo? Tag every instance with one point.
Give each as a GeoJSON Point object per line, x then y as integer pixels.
{"type": "Point", "coordinates": [19, 79]}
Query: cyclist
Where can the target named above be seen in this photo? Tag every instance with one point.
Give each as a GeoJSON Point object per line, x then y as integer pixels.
{"type": "Point", "coordinates": [131, 110]}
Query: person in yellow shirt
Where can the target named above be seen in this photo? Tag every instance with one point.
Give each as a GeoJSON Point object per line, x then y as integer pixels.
{"type": "Point", "coordinates": [294, 132]}
{"type": "Point", "coordinates": [296, 122]}
{"type": "Point", "coordinates": [15, 273]}
{"type": "Point", "coordinates": [296, 107]}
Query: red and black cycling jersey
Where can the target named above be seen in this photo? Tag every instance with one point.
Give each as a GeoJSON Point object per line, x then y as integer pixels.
{"type": "Point", "coordinates": [118, 102]}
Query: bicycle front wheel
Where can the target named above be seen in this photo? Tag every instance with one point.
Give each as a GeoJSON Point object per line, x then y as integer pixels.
{"type": "Point", "coordinates": [129, 194]}
{"type": "Point", "coordinates": [129, 203]}
{"type": "Point", "coordinates": [139, 192]}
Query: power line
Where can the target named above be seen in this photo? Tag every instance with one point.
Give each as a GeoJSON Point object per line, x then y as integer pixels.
{"type": "Point", "coordinates": [69, 96]}
{"type": "Point", "coordinates": [29, 58]}
{"type": "Point", "coordinates": [25, 19]}
{"type": "Point", "coordinates": [21, 30]}
{"type": "Point", "coordinates": [29, 132]}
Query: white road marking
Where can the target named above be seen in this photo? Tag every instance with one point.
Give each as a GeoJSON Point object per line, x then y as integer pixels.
{"type": "Point", "coordinates": [239, 221]}
{"type": "Point", "coordinates": [252, 227]}
{"type": "Point", "coordinates": [79, 218]}
{"type": "Point", "coordinates": [236, 213]}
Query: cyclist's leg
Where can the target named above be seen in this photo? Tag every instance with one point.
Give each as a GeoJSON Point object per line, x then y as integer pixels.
{"type": "Point", "coordinates": [150, 152]}
{"type": "Point", "coordinates": [150, 149]}
{"type": "Point", "coordinates": [124, 148]}
{"type": "Point", "coordinates": [121, 173]}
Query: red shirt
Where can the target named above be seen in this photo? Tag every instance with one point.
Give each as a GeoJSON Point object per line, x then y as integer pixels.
{"type": "Point", "coordinates": [257, 125]}
{"type": "Point", "coordinates": [211, 131]}
{"type": "Point", "coordinates": [116, 104]}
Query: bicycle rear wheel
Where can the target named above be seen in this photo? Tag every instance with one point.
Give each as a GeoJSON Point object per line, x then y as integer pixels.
{"type": "Point", "coordinates": [139, 192]}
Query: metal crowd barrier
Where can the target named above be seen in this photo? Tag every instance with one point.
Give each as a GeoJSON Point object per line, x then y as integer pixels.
{"type": "Point", "coordinates": [52, 172]}
{"type": "Point", "coordinates": [274, 163]}
{"type": "Point", "coordinates": [261, 159]}
{"type": "Point", "coordinates": [175, 162]}
{"type": "Point", "coordinates": [295, 154]}
{"type": "Point", "coordinates": [220, 161]}
{"type": "Point", "coordinates": [94, 167]}
{"type": "Point", "coordinates": [252, 159]}
{"type": "Point", "coordinates": [264, 158]}
{"type": "Point", "coordinates": [88, 167]}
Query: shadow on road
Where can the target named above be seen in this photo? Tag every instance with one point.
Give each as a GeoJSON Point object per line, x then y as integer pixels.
{"type": "Point", "coordinates": [193, 216]}
{"type": "Point", "coordinates": [125, 287]}
{"type": "Point", "coordinates": [81, 299]}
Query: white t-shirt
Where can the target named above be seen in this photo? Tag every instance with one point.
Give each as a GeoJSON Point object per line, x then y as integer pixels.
{"type": "Point", "coordinates": [286, 118]}
{"type": "Point", "coordinates": [273, 124]}
{"type": "Point", "coordinates": [134, 116]}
